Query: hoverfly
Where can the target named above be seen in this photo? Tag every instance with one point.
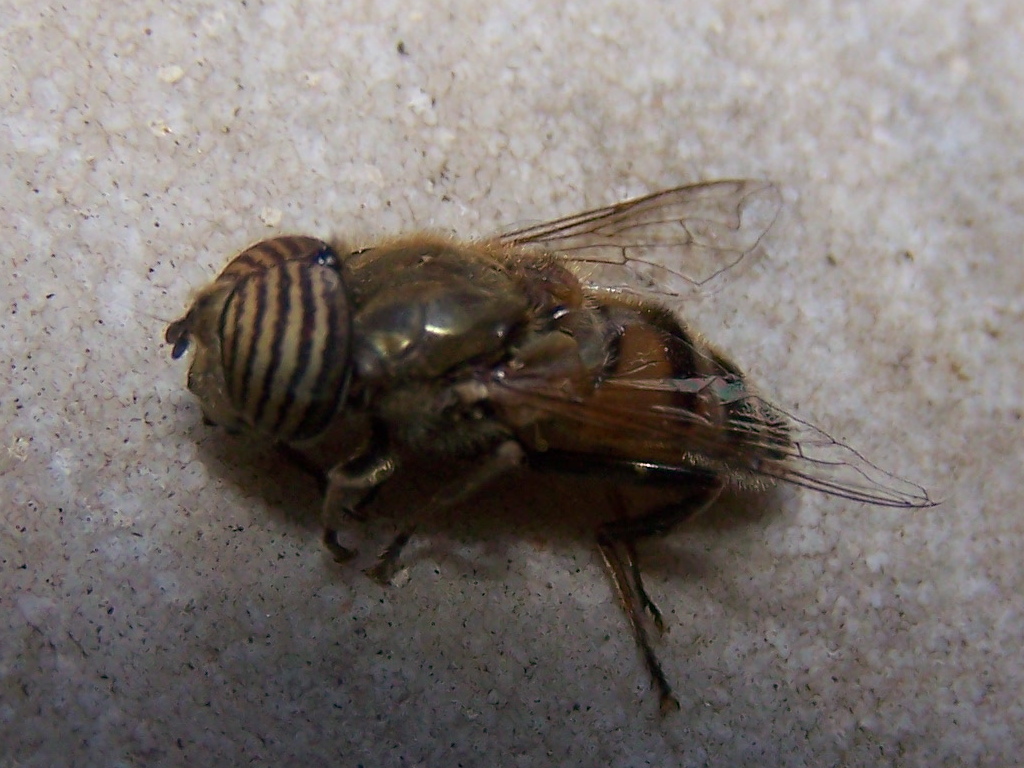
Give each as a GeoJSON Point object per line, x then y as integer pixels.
{"type": "Point", "coordinates": [500, 350]}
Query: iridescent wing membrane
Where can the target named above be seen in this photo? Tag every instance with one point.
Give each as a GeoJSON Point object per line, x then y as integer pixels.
{"type": "Point", "coordinates": [695, 233]}
{"type": "Point", "coordinates": [673, 240]}
{"type": "Point", "coordinates": [776, 445]}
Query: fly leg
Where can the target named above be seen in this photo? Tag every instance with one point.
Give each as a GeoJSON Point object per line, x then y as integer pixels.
{"type": "Point", "coordinates": [349, 490]}
{"type": "Point", "coordinates": [350, 486]}
{"type": "Point", "coordinates": [631, 562]}
{"type": "Point", "coordinates": [506, 456]}
{"type": "Point", "coordinates": [617, 541]}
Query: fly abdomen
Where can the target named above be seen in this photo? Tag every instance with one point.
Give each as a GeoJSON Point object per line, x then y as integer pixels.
{"type": "Point", "coordinates": [284, 336]}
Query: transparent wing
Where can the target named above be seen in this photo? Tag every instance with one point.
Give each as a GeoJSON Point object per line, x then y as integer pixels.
{"type": "Point", "coordinates": [818, 461]}
{"type": "Point", "coordinates": [760, 439]}
{"type": "Point", "coordinates": [674, 240]}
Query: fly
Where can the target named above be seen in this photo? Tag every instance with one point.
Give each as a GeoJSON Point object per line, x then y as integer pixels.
{"type": "Point", "coordinates": [503, 351]}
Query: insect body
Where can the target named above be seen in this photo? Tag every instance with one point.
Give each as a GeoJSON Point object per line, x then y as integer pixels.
{"type": "Point", "coordinates": [500, 351]}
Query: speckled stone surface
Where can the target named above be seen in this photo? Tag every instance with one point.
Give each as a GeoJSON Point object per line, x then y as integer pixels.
{"type": "Point", "coordinates": [164, 599]}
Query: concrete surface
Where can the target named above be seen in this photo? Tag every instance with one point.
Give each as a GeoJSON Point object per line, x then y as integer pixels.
{"type": "Point", "coordinates": [165, 600]}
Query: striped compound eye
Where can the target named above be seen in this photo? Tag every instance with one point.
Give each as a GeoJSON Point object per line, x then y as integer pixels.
{"type": "Point", "coordinates": [284, 335]}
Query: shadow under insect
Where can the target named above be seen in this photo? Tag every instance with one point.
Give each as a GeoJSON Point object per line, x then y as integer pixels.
{"type": "Point", "coordinates": [401, 532]}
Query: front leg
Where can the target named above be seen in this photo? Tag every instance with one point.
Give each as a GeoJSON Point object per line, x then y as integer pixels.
{"type": "Point", "coordinates": [504, 457]}
{"type": "Point", "coordinates": [351, 486]}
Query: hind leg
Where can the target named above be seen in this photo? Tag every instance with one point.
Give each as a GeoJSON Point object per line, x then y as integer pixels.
{"type": "Point", "coordinates": [617, 542]}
